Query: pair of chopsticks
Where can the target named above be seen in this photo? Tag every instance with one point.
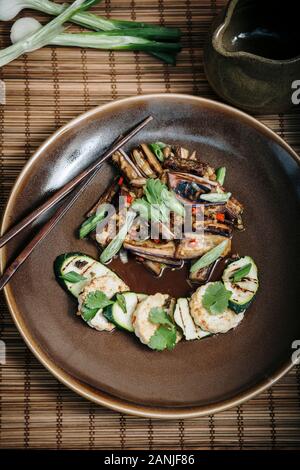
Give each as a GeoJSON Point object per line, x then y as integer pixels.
{"type": "Point", "coordinates": [80, 182]}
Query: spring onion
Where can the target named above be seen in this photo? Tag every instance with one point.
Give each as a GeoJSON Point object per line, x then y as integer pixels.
{"type": "Point", "coordinates": [23, 28]}
{"type": "Point", "coordinates": [241, 273]}
{"type": "Point", "coordinates": [216, 197]}
{"type": "Point", "coordinates": [157, 149]}
{"type": "Point", "coordinates": [158, 202]}
{"type": "Point", "coordinates": [220, 174]}
{"type": "Point", "coordinates": [43, 36]}
{"type": "Point", "coordinates": [113, 40]}
{"type": "Point", "coordinates": [210, 257]}
{"type": "Point", "coordinates": [116, 244]}
{"type": "Point", "coordinates": [73, 277]}
{"type": "Point", "coordinates": [91, 223]}
{"type": "Point", "coordinates": [157, 193]}
{"type": "Point", "coordinates": [27, 25]}
{"type": "Point", "coordinates": [171, 201]}
{"type": "Point", "coordinates": [10, 8]}
{"type": "Point", "coordinates": [150, 212]}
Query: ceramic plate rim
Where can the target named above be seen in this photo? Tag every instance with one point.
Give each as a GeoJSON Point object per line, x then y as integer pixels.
{"type": "Point", "coordinates": [83, 389]}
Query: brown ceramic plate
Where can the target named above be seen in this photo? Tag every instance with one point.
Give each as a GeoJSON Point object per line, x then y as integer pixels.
{"type": "Point", "coordinates": [115, 369]}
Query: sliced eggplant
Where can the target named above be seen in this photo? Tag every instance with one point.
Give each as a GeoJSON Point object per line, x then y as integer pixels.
{"type": "Point", "coordinates": [184, 320]}
{"type": "Point", "coordinates": [142, 163]}
{"type": "Point", "coordinates": [181, 152]}
{"type": "Point", "coordinates": [127, 169]}
{"type": "Point", "coordinates": [190, 166]}
{"type": "Point", "coordinates": [195, 245]}
{"type": "Point", "coordinates": [154, 267]}
{"type": "Point", "coordinates": [148, 247]}
{"type": "Point", "coordinates": [189, 187]}
{"type": "Point", "coordinates": [152, 160]}
{"type": "Point", "coordinates": [244, 290]}
{"type": "Point", "coordinates": [235, 210]}
{"type": "Point", "coordinates": [211, 225]}
{"type": "Point", "coordinates": [130, 163]}
{"type": "Point", "coordinates": [171, 262]}
{"type": "Point", "coordinates": [81, 264]}
{"type": "Point", "coordinates": [139, 183]}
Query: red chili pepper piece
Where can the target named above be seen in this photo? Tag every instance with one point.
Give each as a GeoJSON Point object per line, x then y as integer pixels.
{"type": "Point", "coordinates": [220, 216]}
{"type": "Point", "coordinates": [121, 180]}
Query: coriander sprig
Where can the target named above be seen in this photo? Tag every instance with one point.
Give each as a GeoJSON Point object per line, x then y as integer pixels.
{"type": "Point", "coordinates": [166, 333]}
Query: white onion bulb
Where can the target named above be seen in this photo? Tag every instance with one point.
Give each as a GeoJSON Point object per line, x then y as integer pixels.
{"type": "Point", "coordinates": [23, 28]}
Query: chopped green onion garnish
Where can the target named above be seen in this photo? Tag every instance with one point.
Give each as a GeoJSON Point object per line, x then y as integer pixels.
{"type": "Point", "coordinates": [10, 8]}
{"type": "Point", "coordinates": [73, 277]}
{"type": "Point", "coordinates": [116, 244]}
{"type": "Point", "coordinates": [43, 36]}
{"type": "Point", "coordinates": [216, 197]}
{"type": "Point", "coordinates": [91, 223]}
{"type": "Point", "coordinates": [209, 257]}
{"type": "Point", "coordinates": [220, 174]}
{"type": "Point", "coordinates": [157, 149]}
{"type": "Point", "coordinates": [238, 275]}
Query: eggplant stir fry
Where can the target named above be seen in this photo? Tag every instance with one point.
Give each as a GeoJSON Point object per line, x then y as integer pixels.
{"type": "Point", "coordinates": [159, 185]}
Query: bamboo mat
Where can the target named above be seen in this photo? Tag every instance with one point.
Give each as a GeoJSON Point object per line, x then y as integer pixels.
{"type": "Point", "coordinates": [44, 90]}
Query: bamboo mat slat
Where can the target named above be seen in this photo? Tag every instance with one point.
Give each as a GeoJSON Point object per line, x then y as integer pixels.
{"type": "Point", "coordinates": [45, 90]}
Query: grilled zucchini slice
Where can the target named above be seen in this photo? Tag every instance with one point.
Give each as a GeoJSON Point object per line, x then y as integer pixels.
{"type": "Point", "coordinates": [81, 264]}
{"type": "Point", "coordinates": [244, 290]}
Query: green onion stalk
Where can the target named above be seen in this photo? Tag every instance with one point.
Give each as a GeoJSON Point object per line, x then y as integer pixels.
{"type": "Point", "coordinates": [111, 40]}
{"type": "Point", "coordinates": [10, 8]}
{"type": "Point", "coordinates": [114, 41]}
{"type": "Point", "coordinates": [43, 36]}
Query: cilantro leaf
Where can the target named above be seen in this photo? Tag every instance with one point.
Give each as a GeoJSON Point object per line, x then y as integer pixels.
{"type": "Point", "coordinates": [238, 275]}
{"type": "Point", "coordinates": [165, 335]}
{"type": "Point", "coordinates": [121, 302]}
{"type": "Point", "coordinates": [97, 299]}
{"type": "Point", "coordinates": [72, 277]}
{"type": "Point", "coordinates": [94, 301]}
{"type": "Point", "coordinates": [159, 315]}
{"type": "Point", "coordinates": [88, 313]}
{"type": "Point", "coordinates": [216, 298]}
{"type": "Point", "coordinates": [163, 338]}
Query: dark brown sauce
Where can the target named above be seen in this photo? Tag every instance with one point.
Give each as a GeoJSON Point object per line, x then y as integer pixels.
{"type": "Point", "coordinates": [268, 29]}
{"type": "Point", "coordinates": [277, 45]}
{"type": "Point", "coordinates": [174, 282]}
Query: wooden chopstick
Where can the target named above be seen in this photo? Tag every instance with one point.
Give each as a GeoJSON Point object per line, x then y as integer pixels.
{"type": "Point", "coordinates": [67, 188]}
{"type": "Point", "coordinates": [36, 240]}
{"type": "Point", "coordinates": [59, 214]}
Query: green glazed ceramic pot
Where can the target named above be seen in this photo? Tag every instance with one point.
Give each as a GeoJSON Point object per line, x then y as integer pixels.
{"type": "Point", "coordinates": [252, 58]}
